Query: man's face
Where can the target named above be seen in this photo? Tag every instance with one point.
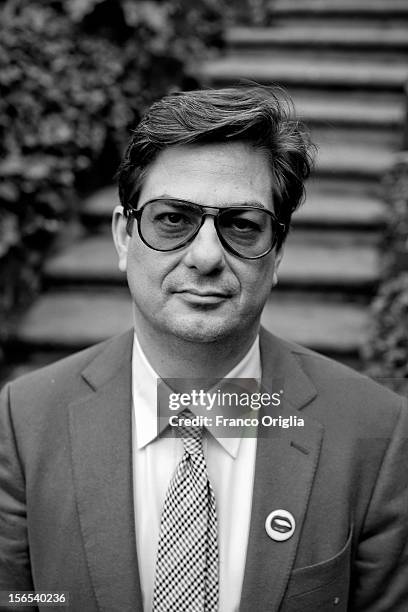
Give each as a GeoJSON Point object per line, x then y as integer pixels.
{"type": "Point", "coordinates": [201, 292]}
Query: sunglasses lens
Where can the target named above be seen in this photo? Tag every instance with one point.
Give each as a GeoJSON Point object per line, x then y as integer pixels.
{"type": "Point", "coordinates": [168, 224]}
{"type": "Point", "coordinates": [249, 232]}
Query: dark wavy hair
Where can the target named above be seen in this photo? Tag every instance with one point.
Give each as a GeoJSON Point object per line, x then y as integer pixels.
{"type": "Point", "coordinates": [262, 116]}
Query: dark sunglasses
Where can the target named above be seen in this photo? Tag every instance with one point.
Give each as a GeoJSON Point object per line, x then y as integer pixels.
{"type": "Point", "coordinates": [167, 224]}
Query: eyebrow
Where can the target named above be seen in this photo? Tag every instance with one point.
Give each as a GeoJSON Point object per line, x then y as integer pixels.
{"type": "Point", "coordinates": [166, 196]}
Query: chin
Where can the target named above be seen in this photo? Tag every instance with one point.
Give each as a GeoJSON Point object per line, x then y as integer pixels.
{"type": "Point", "coordinates": [201, 331]}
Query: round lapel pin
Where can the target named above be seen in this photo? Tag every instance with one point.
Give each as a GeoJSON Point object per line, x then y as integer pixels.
{"type": "Point", "coordinates": [280, 525]}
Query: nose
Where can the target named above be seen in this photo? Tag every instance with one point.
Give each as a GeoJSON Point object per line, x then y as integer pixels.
{"type": "Point", "coordinates": [206, 253]}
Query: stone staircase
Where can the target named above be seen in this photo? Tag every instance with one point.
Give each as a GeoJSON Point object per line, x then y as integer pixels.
{"type": "Point", "coordinates": [345, 63]}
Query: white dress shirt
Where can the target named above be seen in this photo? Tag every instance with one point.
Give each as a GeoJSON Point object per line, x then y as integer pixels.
{"type": "Point", "coordinates": [230, 466]}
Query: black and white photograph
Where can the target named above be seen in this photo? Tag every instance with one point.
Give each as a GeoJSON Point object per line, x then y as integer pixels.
{"type": "Point", "coordinates": [204, 305]}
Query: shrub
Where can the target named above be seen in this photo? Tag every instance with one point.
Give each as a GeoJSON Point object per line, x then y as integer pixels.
{"type": "Point", "coordinates": [74, 76]}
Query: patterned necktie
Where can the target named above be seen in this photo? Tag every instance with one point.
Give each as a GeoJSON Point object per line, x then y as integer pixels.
{"type": "Point", "coordinates": [187, 560]}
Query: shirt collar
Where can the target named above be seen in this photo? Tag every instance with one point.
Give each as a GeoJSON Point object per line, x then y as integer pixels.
{"type": "Point", "coordinates": [144, 392]}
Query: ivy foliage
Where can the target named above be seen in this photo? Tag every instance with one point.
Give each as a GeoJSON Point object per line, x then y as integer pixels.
{"type": "Point", "coordinates": [74, 77]}
{"type": "Point", "coordinates": [386, 352]}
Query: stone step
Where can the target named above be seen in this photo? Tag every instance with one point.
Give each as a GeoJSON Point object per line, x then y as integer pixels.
{"type": "Point", "coordinates": [353, 112]}
{"type": "Point", "coordinates": [330, 134]}
{"type": "Point", "coordinates": [389, 12]}
{"type": "Point", "coordinates": [98, 207]}
{"type": "Point", "coordinates": [335, 329]}
{"type": "Point", "coordinates": [70, 321]}
{"type": "Point", "coordinates": [339, 160]}
{"type": "Point", "coordinates": [337, 261]}
{"type": "Point", "coordinates": [89, 261]}
{"type": "Point", "coordinates": [329, 97]}
{"type": "Point", "coordinates": [303, 72]}
{"type": "Point", "coordinates": [368, 122]}
{"type": "Point", "coordinates": [342, 21]}
{"type": "Point", "coordinates": [340, 263]}
{"type": "Point", "coordinates": [336, 54]}
{"type": "Point", "coordinates": [352, 187]}
{"type": "Point", "coordinates": [313, 53]}
{"type": "Point", "coordinates": [377, 40]}
{"type": "Point", "coordinates": [335, 210]}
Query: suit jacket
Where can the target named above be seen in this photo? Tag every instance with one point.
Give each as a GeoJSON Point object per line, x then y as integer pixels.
{"type": "Point", "coordinates": [66, 492]}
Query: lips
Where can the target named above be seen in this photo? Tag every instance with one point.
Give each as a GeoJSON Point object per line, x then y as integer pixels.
{"type": "Point", "coordinates": [203, 298]}
{"type": "Point", "coordinates": [206, 293]}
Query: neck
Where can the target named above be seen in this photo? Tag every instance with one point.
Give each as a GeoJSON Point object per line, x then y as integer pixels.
{"type": "Point", "coordinates": [173, 357]}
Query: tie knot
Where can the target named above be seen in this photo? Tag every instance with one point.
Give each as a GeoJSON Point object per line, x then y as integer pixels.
{"type": "Point", "coordinates": [192, 435]}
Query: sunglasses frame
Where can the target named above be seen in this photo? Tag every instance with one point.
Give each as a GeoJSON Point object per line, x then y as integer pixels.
{"type": "Point", "coordinates": [133, 213]}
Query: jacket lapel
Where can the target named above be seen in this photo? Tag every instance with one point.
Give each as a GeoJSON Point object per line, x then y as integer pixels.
{"type": "Point", "coordinates": [286, 461]}
{"type": "Point", "coordinates": [101, 436]}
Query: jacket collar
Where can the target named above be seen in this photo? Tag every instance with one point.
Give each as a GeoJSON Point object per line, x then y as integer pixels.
{"type": "Point", "coordinates": [281, 367]}
{"type": "Point", "coordinates": [279, 363]}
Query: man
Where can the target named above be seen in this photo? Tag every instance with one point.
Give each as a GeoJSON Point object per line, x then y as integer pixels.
{"type": "Point", "coordinates": [304, 518]}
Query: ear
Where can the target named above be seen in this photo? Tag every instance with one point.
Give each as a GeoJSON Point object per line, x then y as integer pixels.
{"type": "Point", "coordinates": [120, 236]}
{"type": "Point", "coordinates": [278, 259]}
